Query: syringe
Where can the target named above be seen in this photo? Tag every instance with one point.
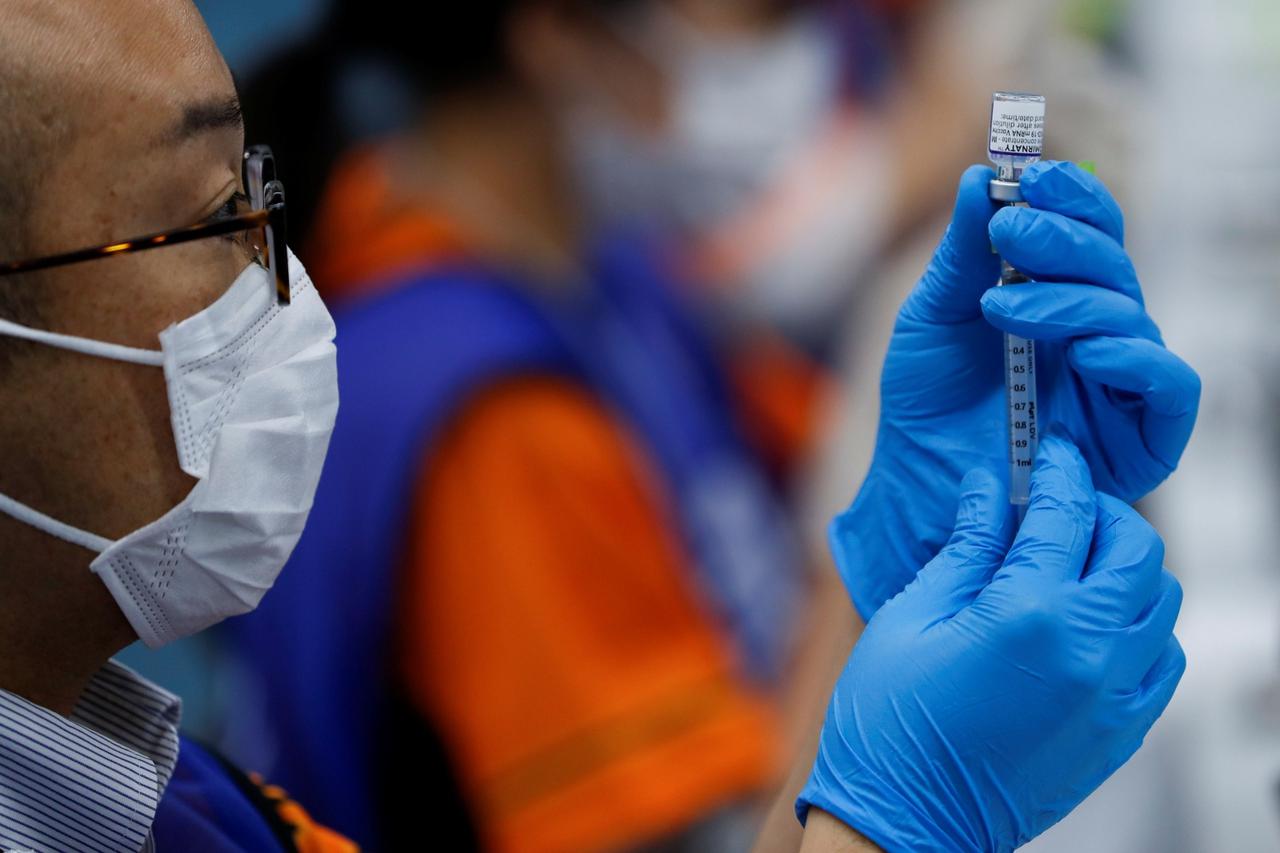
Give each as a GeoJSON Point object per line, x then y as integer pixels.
{"type": "Point", "coordinates": [1015, 141]}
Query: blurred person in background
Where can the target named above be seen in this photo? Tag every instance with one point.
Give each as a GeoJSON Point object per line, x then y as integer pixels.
{"type": "Point", "coordinates": [800, 138]}
{"type": "Point", "coordinates": [547, 564]}
{"type": "Point", "coordinates": [765, 165]}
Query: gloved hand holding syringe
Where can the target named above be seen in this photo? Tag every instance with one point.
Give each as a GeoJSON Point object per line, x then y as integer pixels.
{"type": "Point", "coordinates": [1100, 373]}
{"type": "Point", "coordinates": [1015, 141]}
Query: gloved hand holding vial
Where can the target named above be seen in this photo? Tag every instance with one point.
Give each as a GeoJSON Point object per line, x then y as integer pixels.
{"type": "Point", "coordinates": [903, 763]}
{"type": "Point", "coordinates": [1105, 379]}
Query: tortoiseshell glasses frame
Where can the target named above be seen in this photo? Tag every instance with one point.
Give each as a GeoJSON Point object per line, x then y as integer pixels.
{"type": "Point", "coordinates": [267, 215]}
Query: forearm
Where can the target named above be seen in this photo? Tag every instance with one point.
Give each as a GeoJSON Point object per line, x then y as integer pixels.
{"type": "Point", "coordinates": [781, 832]}
{"type": "Point", "coordinates": [821, 833]}
{"type": "Point", "coordinates": [834, 628]}
{"type": "Point", "coordinates": [824, 834]}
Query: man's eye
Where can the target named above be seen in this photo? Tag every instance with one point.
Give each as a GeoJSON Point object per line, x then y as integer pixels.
{"type": "Point", "coordinates": [231, 208]}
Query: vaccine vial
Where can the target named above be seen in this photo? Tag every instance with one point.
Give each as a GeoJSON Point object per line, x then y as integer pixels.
{"type": "Point", "coordinates": [1016, 137]}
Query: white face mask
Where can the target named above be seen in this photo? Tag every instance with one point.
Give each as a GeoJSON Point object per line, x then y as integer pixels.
{"type": "Point", "coordinates": [253, 390]}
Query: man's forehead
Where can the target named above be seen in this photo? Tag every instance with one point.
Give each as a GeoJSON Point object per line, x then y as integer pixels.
{"type": "Point", "coordinates": [152, 59]}
{"type": "Point", "coordinates": [113, 81]}
{"type": "Point", "coordinates": [86, 32]}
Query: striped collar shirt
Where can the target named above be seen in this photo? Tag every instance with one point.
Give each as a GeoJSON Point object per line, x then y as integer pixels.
{"type": "Point", "coordinates": [91, 781]}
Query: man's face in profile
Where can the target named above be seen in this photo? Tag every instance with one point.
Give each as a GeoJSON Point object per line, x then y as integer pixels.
{"type": "Point", "coordinates": [150, 139]}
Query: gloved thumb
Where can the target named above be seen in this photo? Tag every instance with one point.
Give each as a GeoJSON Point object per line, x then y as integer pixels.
{"type": "Point", "coordinates": [982, 536]}
{"type": "Point", "coordinates": [964, 266]}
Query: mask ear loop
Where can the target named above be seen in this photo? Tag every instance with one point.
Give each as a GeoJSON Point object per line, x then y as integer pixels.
{"type": "Point", "coordinates": [40, 521]}
{"type": "Point", "coordinates": [87, 346]}
{"type": "Point", "coordinates": [33, 517]}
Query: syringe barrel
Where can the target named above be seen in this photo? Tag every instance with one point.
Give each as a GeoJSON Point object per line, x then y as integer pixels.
{"type": "Point", "coordinates": [1015, 141]}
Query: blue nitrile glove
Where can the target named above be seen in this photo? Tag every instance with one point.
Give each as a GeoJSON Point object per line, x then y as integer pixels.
{"type": "Point", "coordinates": [1004, 684]}
{"type": "Point", "coordinates": [1104, 377]}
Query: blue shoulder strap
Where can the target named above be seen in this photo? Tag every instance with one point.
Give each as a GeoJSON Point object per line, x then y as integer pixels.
{"type": "Point", "coordinates": [657, 366]}
{"type": "Point", "coordinates": [406, 361]}
{"type": "Point", "coordinates": [204, 808]}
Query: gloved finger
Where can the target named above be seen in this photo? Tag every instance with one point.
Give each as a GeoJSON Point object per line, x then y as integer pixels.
{"type": "Point", "coordinates": [1169, 388]}
{"type": "Point", "coordinates": [977, 547]}
{"type": "Point", "coordinates": [963, 265]}
{"type": "Point", "coordinates": [1067, 189]}
{"type": "Point", "coordinates": [1048, 246]}
{"type": "Point", "coordinates": [1050, 312]}
{"type": "Point", "coordinates": [1146, 639]}
{"type": "Point", "coordinates": [1125, 565]}
{"type": "Point", "coordinates": [1054, 538]}
{"type": "Point", "coordinates": [1140, 708]}
{"type": "Point", "coordinates": [1162, 680]}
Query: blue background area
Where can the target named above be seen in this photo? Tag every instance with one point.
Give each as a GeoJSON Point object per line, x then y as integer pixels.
{"type": "Point", "coordinates": [247, 31]}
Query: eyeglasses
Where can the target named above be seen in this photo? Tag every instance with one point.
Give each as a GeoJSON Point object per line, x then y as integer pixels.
{"type": "Point", "coordinates": [267, 216]}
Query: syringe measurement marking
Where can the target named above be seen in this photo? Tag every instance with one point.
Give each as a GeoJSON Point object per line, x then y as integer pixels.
{"type": "Point", "coordinates": [1020, 367]}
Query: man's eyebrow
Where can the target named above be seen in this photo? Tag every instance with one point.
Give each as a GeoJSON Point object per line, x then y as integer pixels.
{"type": "Point", "coordinates": [208, 116]}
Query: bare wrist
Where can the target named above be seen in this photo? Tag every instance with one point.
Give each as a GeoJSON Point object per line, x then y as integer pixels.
{"type": "Point", "coordinates": [823, 833]}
